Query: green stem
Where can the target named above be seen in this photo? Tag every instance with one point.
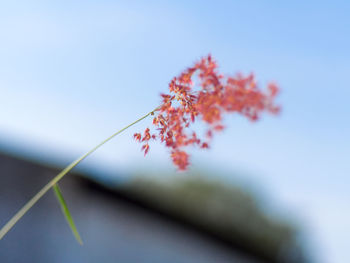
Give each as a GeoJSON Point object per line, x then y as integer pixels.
{"type": "Point", "coordinates": [58, 177]}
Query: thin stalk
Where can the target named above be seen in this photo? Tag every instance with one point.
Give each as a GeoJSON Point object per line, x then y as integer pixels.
{"type": "Point", "coordinates": [58, 177]}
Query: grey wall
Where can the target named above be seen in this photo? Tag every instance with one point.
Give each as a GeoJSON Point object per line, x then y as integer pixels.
{"type": "Point", "coordinates": [112, 230]}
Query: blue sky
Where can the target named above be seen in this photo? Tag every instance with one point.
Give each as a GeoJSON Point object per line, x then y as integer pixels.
{"type": "Point", "coordinates": [73, 73]}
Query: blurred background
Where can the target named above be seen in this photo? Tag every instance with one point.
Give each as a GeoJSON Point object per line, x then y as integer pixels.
{"type": "Point", "coordinates": [72, 73]}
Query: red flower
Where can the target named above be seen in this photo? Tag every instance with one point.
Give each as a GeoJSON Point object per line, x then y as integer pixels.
{"type": "Point", "coordinates": [137, 136]}
{"type": "Point", "coordinates": [215, 96]}
{"type": "Point", "coordinates": [180, 159]}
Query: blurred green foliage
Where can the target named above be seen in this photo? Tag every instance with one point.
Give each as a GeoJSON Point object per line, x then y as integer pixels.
{"type": "Point", "coordinates": [224, 210]}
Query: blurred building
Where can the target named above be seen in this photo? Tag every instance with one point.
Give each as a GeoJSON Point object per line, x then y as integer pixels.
{"type": "Point", "coordinates": [190, 220]}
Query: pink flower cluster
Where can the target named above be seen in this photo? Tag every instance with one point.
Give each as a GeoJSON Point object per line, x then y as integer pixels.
{"type": "Point", "coordinates": [208, 100]}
